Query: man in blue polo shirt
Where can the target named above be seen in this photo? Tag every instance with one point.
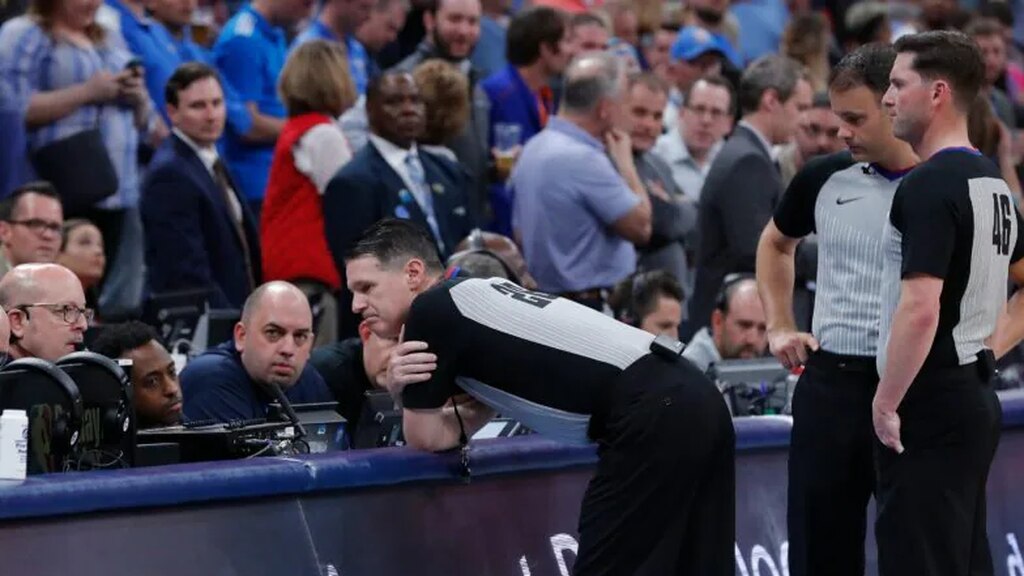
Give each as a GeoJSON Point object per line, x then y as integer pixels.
{"type": "Point", "coordinates": [271, 346]}
{"type": "Point", "coordinates": [250, 53]}
{"type": "Point", "coordinates": [337, 22]}
{"type": "Point", "coordinates": [578, 214]}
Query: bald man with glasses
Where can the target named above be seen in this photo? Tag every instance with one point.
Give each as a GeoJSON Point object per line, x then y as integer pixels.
{"type": "Point", "coordinates": [30, 226]}
{"type": "Point", "coordinates": [45, 305]}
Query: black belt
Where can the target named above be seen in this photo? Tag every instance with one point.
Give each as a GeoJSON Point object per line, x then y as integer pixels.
{"type": "Point", "coordinates": [846, 362]}
{"type": "Point", "coordinates": [591, 294]}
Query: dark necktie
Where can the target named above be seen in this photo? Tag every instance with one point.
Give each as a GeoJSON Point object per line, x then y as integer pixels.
{"type": "Point", "coordinates": [220, 173]}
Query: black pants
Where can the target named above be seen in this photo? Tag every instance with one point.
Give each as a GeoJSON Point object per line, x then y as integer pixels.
{"type": "Point", "coordinates": [666, 469]}
{"type": "Point", "coordinates": [831, 465]}
{"type": "Point", "coordinates": [931, 498]}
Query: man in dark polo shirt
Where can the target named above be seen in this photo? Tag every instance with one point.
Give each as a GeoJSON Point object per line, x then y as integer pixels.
{"type": "Point", "coordinates": [233, 381]}
{"type": "Point", "coordinates": [353, 367]}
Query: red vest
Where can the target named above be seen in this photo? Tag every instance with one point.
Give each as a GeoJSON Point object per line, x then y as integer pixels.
{"type": "Point", "coordinates": [292, 222]}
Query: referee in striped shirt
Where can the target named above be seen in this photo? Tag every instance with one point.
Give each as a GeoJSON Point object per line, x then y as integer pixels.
{"type": "Point", "coordinates": [844, 198]}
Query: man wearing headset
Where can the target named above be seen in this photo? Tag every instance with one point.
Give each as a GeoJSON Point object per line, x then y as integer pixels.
{"type": "Point", "coordinates": [566, 371]}
{"type": "Point", "coordinates": [652, 301]}
{"type": "Point", "coordinates": [738, 328]}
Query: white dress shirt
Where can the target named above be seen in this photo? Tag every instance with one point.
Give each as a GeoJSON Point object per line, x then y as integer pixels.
{"type": "Point", "coordinates": [208, 156]}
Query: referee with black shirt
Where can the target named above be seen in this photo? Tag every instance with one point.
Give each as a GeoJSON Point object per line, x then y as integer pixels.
{"type": "Point", "coordinates": [665, 471]}
{"type": "Point", "coordinates": [844, 198]}
{"type": "Point", "coordinates": [951, 234]}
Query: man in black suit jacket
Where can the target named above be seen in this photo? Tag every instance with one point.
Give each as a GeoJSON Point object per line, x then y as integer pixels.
{"type": "Point", "coordinates": [390, 176]}
{"type": "Point", "coordinates": [199, 232]}
{"type": "Point", "coordinates": [744, 185]}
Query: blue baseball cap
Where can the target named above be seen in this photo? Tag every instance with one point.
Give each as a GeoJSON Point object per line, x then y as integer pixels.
{"type": "Point", "coordinates": [694, 41]}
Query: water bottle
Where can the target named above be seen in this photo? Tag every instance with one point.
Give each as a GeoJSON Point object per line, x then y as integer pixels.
{"type": "Point", "coordinates": [13, 444]}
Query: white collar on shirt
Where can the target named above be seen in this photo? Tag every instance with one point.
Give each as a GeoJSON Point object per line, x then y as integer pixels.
{"type": "Point", "coordinates": [390, 151]}
{"type": "Point", "coordinates": [208, 155]}
{"type": "Point", "coordinates": [764, 141]}
{"type": "Point", "coordinates": [395, 157]}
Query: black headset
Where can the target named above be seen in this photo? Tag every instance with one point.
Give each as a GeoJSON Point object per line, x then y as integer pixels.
{"type": "Point", "coordinates": [477, 245]}
{"type": "Point", "coordinates": [64, 427]}
{"type": "Point", "coordinates": [730, 280]}
{"type": "Point", "coordinates": [115, 420]}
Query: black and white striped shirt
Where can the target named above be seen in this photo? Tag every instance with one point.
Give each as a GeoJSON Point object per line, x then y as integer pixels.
{"type": "Point", "coordinates": [952, 218]}
{"type": "Point", "coordinates": [545, 361]}
{"type": "Point", "coordinates": [845, 203]}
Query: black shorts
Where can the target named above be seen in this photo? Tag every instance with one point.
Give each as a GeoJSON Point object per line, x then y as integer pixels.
{"type": "Point", "coordinates": [665, 479]}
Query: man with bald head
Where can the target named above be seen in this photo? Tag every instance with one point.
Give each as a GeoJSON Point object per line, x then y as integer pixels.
{"type": "Point", "coordinates": [235, 380]}
{"type": "Point", "coordinates": [5, 339]}
{"type": "Point", "coordinates": [45, 305]}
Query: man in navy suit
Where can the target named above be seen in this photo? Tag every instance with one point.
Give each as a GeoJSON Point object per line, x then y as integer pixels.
{"type": "Point", "coordinates": [199, 233]}
{"type": "Point", "coordinates": [392, 177]}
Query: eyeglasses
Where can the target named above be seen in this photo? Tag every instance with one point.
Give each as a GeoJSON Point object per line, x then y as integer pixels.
{"type": "Point", "coordinates": [68, 312]}
{"type": "Point", "coordinates": [38, 226]}
{"type": "Point", "coordinates": [714, 113]}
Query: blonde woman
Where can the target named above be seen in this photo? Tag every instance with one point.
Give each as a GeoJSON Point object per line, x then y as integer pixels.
{"type": "Point", "coordinates": [445, 93]}
{"type": "Point", "coordinates": [316, 89]}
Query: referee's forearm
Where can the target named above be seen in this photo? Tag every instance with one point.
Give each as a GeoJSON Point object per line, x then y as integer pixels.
{"type": "Point", "coordinates": [775, 277]}
{"type": "Point", "coordinates": [913, 331]}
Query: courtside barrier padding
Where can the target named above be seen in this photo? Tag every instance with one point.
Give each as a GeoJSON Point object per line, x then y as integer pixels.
{"type": "Point", "coordinates": [77, 493]}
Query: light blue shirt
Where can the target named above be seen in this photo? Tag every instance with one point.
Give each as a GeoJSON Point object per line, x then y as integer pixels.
{"type": "Point", "coordinates": [32, 61]}
{"type": "Point", "coordinates": [250, 53]}
{"type": "Point", "coordinates": [358, 59]}
{"type": "Point", "coordinates": [566, 196]}
{"type": "Point", "coordinates": [686, 173]}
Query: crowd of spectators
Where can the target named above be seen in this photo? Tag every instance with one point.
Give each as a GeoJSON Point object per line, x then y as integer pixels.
{"type": "Point", "coordinates": [633, 150]}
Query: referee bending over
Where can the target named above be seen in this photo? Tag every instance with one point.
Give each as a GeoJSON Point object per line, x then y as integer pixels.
{"type": "Point", "coordinates": [844, 197]}
{"type": "Point", "coordinates": [666, 442]}
{"type": "Point", "coordinates": [950, 237]}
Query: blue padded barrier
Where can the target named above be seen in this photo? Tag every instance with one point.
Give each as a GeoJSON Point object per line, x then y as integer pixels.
{"type": "Point", "coordinates": [61, 494]}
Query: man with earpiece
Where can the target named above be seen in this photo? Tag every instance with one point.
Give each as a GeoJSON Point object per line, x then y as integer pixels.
{"type": "Point", "coordinates": [738, 328]}
{"type": "Point", "coordinates": [652, 301]}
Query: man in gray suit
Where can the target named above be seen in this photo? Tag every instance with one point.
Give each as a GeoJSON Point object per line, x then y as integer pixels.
{"type": "Point", "coordinates": [453, 29]}
{"type": "Point", "coordinates": [673, 214]}
{"type": "Point", "coordinates": [743, 186]}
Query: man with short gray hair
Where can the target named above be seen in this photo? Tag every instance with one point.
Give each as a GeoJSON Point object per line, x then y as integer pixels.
{"type": "Point", "coordinates": [744, 185]}
{"type": "Point", "coordinates": [580, 206]}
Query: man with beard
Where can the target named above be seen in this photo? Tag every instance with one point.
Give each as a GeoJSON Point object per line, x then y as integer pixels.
{"type": "Point", "coordinates": [156, 393]}
{"type": "Point", "coordinates": [738, 328]}
{"type": "Point", "coordinates": [271, 346]}
{"type": "Point", "coordinates": [45, 304]}
{"type": "Point", "coordinates": [817, 134]}
{"type": "Point", "coordinates": [453, 28]}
